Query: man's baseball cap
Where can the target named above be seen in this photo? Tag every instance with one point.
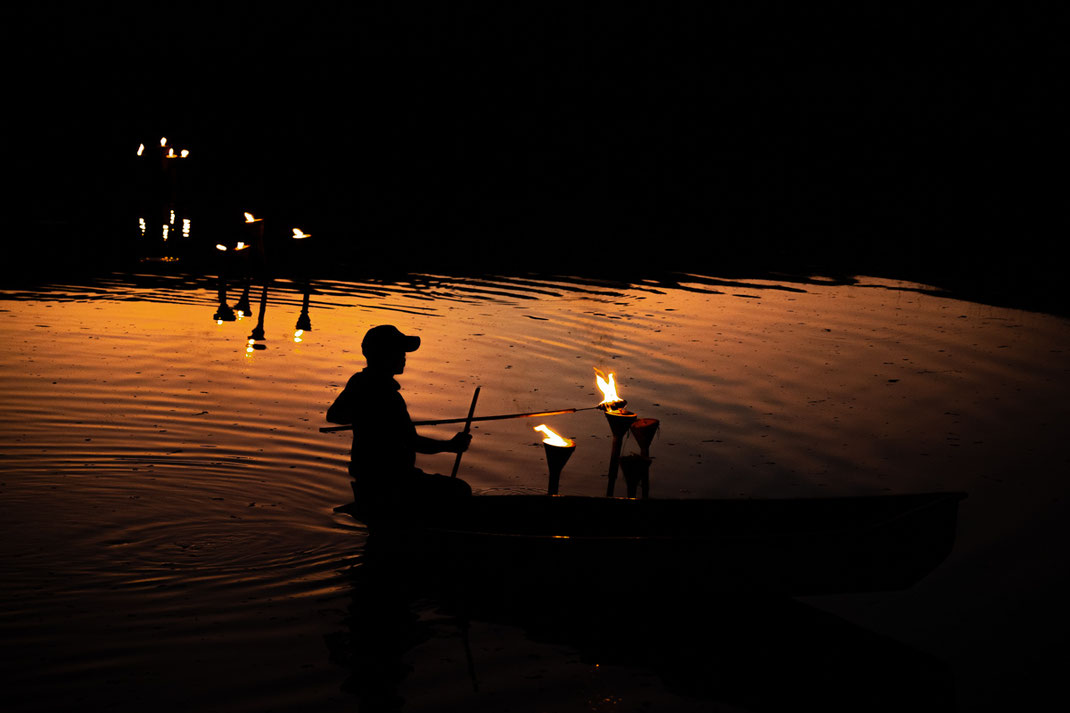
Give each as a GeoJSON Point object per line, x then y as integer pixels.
{"type": "Point", "coordinates": [387, 338]}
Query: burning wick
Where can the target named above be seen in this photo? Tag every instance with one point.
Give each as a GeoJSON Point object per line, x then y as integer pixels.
{"type": "Point", "coordinates": [558, 451]}
{"type": "Point", "coordinates": [552, 439]}
{"type": "Point", "coordinates": [611, 401]}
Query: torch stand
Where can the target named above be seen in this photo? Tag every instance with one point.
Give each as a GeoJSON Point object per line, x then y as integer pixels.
{"type": "Point", "coordinates": [619, 422]}
{"type": "Point", "coordinates": [556, 457]}
{"type": "Point", "coordinates": [636, 470]}
{"type": "Point", "coordinates": [644, 429]}
{"type": "Point", "coordinates": [637, 467]}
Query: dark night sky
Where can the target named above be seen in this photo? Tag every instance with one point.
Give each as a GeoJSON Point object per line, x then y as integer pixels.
{"type": "Point", "coordinates": [900, 137]}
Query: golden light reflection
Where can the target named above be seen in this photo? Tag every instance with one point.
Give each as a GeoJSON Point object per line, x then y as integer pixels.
{"type": "Point", "coordinates": [552, 438]}
{"type": "Point", "coordinates": [298, 333]}
{"type": "Point", "coordinates": [166, 228]}
{"type": "Point", "coordinates": [185, 227]}
{"type": "Point", "coordinates": [142, 226]}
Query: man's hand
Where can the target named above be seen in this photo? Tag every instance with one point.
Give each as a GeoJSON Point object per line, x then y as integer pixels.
{"type": "Point", "coordinates": [459, 443]}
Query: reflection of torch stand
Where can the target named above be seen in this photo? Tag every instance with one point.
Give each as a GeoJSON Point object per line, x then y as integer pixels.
{"type": "Point", "coordinates": [619, 422]}
{"type": "Point", "coordinates": [258, 330]}
{"type": "Point", "coordinates": [556, 457]}
{"type": "Point", "coordinates": [637, 467]}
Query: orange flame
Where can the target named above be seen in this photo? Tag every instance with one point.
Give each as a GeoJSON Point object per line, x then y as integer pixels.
{"type": "Point", "coordinates": [299, 234]}
{"type": "Point", "coordinates": [552, 438]}
{"type": "Point", "coordinates": [608, 387]}
{"type": "Point", "coordinates": [249, 218]}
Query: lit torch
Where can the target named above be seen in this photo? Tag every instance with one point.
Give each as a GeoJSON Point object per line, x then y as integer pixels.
{"type": "Point", "coordinates": [255, 230]}
{"type": "Point", "coordinates": [558, 451]}
{"type": "Point", "coordinates": [620, 419]}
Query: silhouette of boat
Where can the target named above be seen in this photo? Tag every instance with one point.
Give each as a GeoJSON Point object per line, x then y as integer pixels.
{"type": "Point", "coordinates": [796, 547]}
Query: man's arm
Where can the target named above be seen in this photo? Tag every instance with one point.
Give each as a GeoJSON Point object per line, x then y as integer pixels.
{"type": "Point", "coordinates": [341, 411]}
{"type": "Point", "coordinates": [457, 444]}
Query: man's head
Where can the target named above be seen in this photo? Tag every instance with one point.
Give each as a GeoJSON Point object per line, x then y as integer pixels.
{"type": "Point", "coordinates": [385, 346]}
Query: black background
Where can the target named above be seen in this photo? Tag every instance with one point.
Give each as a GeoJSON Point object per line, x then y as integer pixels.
{"type": "Point", "coordinates": [920, 141]}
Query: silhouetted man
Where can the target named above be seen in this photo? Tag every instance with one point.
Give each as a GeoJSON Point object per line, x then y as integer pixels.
{"type": "Point", "coordinates": [386, 480]}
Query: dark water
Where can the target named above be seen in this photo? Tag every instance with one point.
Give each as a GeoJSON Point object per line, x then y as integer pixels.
{"type": "Point", "coordinates": [169, 539]}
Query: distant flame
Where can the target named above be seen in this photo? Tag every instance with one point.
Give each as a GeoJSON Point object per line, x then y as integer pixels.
{"type": "Point", "coordinates": [552, 438]}
{"type": "Point", "coordinates": [249, 218]}
{"type": "Point", "coordinates": [163, 141]}
{"type": "Point", "coordinates": [608, 387]}
{"type": "Point", "coordinates": [299, 234]}
{"type": "Point", "coordinates": [140, 149]}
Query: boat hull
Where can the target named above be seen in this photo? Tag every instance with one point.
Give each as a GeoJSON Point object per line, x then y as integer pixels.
{"type": "Point", "coordinates": [805, 546]}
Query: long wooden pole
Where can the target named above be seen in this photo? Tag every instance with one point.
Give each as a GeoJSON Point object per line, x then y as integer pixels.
{"type": "Point", "coordinates": [467, 428]}
{"type": "Point", "coordinates": [499, 417]}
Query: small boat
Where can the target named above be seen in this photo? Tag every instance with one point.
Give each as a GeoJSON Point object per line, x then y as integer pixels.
{"type": "Point", "coordinates": [795, 547]}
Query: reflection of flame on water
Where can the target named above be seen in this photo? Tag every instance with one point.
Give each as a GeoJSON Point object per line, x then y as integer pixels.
{"type": "Point", "coordinates": [298, 333]}
{"type": "Point", "coordinates": [552, 438]}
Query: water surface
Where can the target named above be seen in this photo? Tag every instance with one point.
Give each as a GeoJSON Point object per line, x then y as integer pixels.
{"type": "Point", "coordinates": [167, 526]}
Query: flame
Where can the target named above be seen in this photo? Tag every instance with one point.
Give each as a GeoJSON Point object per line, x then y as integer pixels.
{"type": "Point", "coordinates": [185, 153]}
{"type": "Point", "coordinates": [163, 141]}
{"type": "Point", "coordinates": [552, 438]}
{"type": "Point", "coordinates": [221, 247]}
{"type": "Point", "coordinates": [240, 246]}
{"type": "Point", "coordinates": [249, 218]}
{"type": "Point", "coordinates": [608, 387]}
{"type": "Point", "coordinates": [140, 149]}
{"type": "Point", "coordinates": [299, 234]}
